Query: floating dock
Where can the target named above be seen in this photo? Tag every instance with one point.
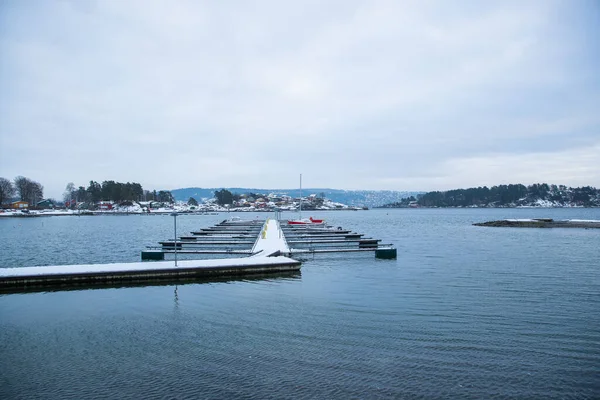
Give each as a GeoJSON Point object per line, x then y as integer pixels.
{"type": "Point", "coordinates": [272, 237]}
{"type": "Point", "coordinates": [12, 279]}
{"type": "Point", "coordinates": [266, 245]}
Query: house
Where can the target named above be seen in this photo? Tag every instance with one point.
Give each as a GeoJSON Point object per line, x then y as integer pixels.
{"type": "Point", "coordinates": [104, 205]}
{"type": "Point", "coordinates": [45, 204]}
{"type": "Point", "coordinates": [19, 205]}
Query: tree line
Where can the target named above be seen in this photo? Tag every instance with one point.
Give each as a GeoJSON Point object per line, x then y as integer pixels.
{"type": "Point", "coordinates": [224, 196]}
{"type": "Point", "coordinates": [114, 191]}
{"type": "Point", "coordinates": [32, 192]}
{"type": "Point", "coordinates": [504, 195]}
{"type": "Point", "coordinates": [26, 190]}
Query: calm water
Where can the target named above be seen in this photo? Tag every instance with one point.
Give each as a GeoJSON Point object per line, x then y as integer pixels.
{"type": "Point", "coordinates": [464, 312]}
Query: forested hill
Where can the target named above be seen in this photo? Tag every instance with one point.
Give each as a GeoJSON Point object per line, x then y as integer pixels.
{"type": "Point", "coordinates": [537, 195]}
{"type": "Point", "coordinates": [369, 198]}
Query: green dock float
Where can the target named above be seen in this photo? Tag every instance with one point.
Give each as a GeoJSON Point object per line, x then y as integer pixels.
{"type": "Point", "coordinates": [386, 254]}
{"type": "Point", "coordinates": [368, 243]}
{"type": "Point", "coordinates": [153, 255]}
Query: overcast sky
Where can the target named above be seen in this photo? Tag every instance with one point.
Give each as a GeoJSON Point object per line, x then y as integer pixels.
{"type": "Point", "coordinates": [401, 95]}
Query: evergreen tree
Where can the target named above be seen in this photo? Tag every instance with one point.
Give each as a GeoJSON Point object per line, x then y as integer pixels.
{"type": "Point", "coordinates": [224, 197]}
{"type": "Point", "coordinates": [82, 195]}
{"type": "Point", "coordinates": [165, 196]}
{"type": "Point", "coordinates": [94, 192]}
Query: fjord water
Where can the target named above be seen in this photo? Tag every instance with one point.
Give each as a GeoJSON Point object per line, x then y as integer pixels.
{"type": "Point", "coordinates": [464, 312]}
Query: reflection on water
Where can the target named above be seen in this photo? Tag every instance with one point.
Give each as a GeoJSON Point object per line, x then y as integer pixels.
{"type": "Point", "coordinates": [74, 286]}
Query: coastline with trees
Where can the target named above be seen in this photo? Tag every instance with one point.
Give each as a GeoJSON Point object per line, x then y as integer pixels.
{"type": "Point", "coordinates": [25, 190]}
{"type": "Point", "coordinates": [23, 193]}
{"type": "Point", "coordinates": [31, 194]}
{"type": "Point", "coordinates": [501, 196]}
{"type": "Point", "coordinates": [110, 197]}
{"type": "Point", "coordinates": [111, 191]}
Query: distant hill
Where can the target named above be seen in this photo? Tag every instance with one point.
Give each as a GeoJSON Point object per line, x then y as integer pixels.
{"type": "Point", "coordinates": [536, 195]}
{"type": "Point", "coordinates": [368, 198]}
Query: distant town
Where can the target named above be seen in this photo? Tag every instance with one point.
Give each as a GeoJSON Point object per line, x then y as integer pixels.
{"type": "Point", "coordinates": [130, 198]}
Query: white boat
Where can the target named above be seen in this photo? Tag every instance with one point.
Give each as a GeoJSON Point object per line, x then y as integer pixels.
{"type": "Point", "coordinates": [239, 221]}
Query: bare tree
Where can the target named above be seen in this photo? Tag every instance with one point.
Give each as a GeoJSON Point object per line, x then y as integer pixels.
{"type": "Point", "coordinates": [7, 190]}
{"type": "Point", "coordinates": [29, 191]}
{"type": "Point", "coordinates": [22, 185]}
{"type": "Point", "coordinates": [36, 193]}
{"type": "Point", "coordinates": [69, 190]}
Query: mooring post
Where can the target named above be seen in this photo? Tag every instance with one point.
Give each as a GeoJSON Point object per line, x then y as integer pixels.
{"type": "Point", "coordinates": [175, 229]}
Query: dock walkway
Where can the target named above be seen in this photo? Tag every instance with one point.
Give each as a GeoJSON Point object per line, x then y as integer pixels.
{"type": "Point", "coordinates": [271, 240]}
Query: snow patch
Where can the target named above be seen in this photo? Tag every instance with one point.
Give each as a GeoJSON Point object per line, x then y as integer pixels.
{"type": "Point", "coordinates": [141, 266]}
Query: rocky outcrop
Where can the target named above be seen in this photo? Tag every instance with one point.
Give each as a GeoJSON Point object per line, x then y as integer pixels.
{"type": "Point", "coordinates": [541, 223]}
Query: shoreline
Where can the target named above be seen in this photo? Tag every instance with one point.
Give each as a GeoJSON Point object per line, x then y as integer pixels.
{"type": "Point", "coordinates": [35, 214]}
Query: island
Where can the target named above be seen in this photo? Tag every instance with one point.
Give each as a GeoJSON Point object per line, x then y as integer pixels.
{"type": "Point", "coordinates": [541, 223]}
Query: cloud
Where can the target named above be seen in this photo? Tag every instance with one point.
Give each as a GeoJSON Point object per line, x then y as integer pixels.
{"type": "Point", "coordinates": [576, 166]}
{"type": "Point", "coordinates": [377, 95]}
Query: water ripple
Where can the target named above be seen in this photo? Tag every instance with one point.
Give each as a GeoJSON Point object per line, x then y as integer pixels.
{"type": "Point", "coordinates": [463, 313]}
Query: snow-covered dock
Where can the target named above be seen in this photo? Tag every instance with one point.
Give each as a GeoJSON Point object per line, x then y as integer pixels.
{"type": "Point", "coordinates": [271, 240]}
{"type": "Point", "coordinates": [12, 279]}
{"type": "Point", "coordinates": [272, 237]}
{"type": "Point", "coordinates": [268, 254]}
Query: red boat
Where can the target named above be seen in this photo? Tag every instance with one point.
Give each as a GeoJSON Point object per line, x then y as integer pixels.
{"type": "Point", "coordinates": [305, 221]}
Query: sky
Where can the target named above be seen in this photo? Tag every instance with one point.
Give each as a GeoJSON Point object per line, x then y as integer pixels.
{"type": "Point", "coordinates": [394, 95]}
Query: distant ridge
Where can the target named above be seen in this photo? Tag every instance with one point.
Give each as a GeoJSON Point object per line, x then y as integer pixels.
{"type": "Point", "coordinates": [368, 198]}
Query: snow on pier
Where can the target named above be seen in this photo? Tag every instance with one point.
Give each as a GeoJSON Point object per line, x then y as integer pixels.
{"type": "Point", "coordinates": [271, 240]}
{"type": "Point", "coordinates": [14, 278]}
{"type": "Point", "coordinates": [272, 237]}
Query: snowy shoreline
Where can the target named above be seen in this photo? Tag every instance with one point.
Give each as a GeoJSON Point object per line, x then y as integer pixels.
{"type": "Point", "coordinates": [77, 213]}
